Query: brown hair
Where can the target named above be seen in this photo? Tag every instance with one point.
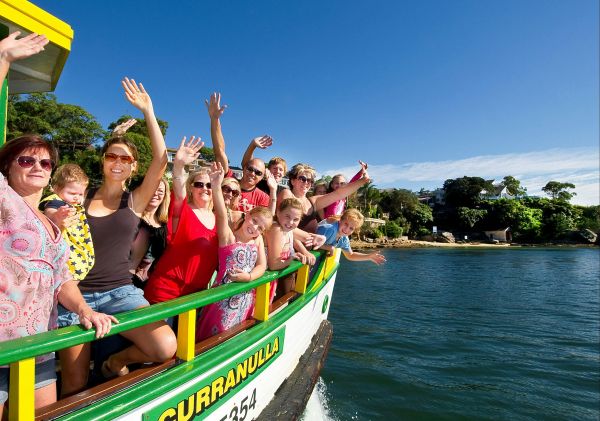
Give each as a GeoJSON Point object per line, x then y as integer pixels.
{"type": "Point", "coordinates": [291, 202]}
{"type": "Point", "coordinates": [69, 173]}
{"type": "Point", "coordinates": [120, 140]}
{"type": "Point", "coordinates": [297, 169]}
{"type": "Point", "coordinates": [277, 160]}
{"type": "Point", "coordinates": [337, 176]}
{"type": "Point", "coordinates": [13, 149]}
{"type": "Point", "coordinates": [258, 210]}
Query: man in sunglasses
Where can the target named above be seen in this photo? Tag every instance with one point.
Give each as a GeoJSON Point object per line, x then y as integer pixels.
{"type": "Point", "coordinates": [253, 170]}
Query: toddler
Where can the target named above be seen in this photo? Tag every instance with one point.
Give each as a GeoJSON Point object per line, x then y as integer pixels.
{"type": "Point", "coordinates": [64, 208]}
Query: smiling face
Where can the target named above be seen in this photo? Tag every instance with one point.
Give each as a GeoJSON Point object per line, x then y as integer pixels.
{"type": "Point", "coordinates": [26, 181]}
{"type": "Point", "coordinates": [302, 183]}
{"type": "Point", "coordinates": [347, 227]}
{"type": "Point", "coordinates": [255, 225]}
{"type": "Point", "coordinates": [253, 173]}
{"type": "Point", "coordinates": [158, 197]}
{"type": "Point", "coordinates": [72, 192]}
{"type": "Point", "coordinates": [289, 218]}
{"type": "Point", "coordinates": [115, 165]}
{"type": "Point", "coordinates": [278, 171]}
{"type": "Point", "coordinates": [231, 194]}
{"type": "Point", "coordinates": [337, 182]}
{"type": "Point", "coordinates": [201, 196]}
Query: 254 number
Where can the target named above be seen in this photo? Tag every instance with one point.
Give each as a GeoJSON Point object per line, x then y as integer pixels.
{"type": "Point", "coordinates": [239, 414]}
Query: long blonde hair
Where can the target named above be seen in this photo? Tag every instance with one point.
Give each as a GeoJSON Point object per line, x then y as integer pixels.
{"type": "Point", "coordinates": [161, 214]}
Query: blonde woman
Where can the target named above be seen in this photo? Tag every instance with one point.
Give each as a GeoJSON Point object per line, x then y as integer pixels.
{"type": "Point", "coordinates": [190, 258]}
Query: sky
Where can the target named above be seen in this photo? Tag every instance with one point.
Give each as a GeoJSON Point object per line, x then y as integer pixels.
{"type": "Point", "coordinates": [421, 90]}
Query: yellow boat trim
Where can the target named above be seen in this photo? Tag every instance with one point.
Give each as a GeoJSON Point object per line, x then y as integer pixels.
{"type": "Point", "coordinates": [21, 399]}
{"type": "Point", "coordinates": [186, 335]}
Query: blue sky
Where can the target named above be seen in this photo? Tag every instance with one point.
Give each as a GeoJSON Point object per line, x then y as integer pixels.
{"type": "Point", "coordinates": [421, 90]}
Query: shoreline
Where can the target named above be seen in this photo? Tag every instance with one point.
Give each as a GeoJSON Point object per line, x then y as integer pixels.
{"type": "Point", "coordinates": [359, 244]}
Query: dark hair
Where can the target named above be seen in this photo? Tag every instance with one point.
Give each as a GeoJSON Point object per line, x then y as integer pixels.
{"type": "Point", "coordinates": [120, 140]}
{"type": "Point", "coordinates": [13, 149]}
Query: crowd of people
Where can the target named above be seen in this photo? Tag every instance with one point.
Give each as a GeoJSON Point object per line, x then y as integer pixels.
{"type": "Point", "coordinates": [82, 255]}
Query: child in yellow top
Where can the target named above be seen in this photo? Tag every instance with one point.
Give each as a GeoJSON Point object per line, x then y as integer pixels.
{"type": "Point", "coordinates": [65, 209]}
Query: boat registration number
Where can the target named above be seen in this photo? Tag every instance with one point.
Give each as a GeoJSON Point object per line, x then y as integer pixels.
{"type": "Point", "coordinates": [240, 412]}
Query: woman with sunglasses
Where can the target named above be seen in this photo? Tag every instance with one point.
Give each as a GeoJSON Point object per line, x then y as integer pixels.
{"type": "Point", "coordinates": [34, 275]}
{"type": "Point", "coordinates": [231, 191]}
{"type": "Point", "coordinates": [300, 178]}
{"type": "Point", "coordinates": [190, 259]}
{"type": "Point", "coordinates": [114, 215]}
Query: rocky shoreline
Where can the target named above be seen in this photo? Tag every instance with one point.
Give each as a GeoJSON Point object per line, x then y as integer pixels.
{"type": "Point", "coordinates": [403, 243]}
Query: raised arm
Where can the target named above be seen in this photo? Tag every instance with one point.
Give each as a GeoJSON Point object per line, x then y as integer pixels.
{"type": "Point", "coordinates": [272, 191]}
{"type": "Point", "coordinates": [185, 155]}
{"type": "Point", "coordinates": [261, 142]}
{"type": "Point", "coordinates": [375, 256]}
{"type": "Point", "coordinates": [215, 111]}
{"type": "Point", "coordinates": [224, 233]}
{"type": "Point", "coordinates": [139, 98]}
{"type": "Point", "coordinates": [13, 49]}
{"type": "Point", "coordinates": [363, 169]}
{"type": "Point", "coordinates": [325, 200]}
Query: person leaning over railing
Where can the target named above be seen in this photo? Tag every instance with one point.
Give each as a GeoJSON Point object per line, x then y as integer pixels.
{"type": "Point", "coordinates": [114, 215]}
{"type": "Point", "coordinates": [34, 275]}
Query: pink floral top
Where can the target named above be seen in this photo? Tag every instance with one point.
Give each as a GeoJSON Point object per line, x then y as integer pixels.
{"type": "Point", "coordinates": [33, 266]}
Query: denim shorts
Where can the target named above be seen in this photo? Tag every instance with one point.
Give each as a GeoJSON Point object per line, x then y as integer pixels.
{"type": "Point", "coordinates": [114, 301]}
{"type": "Point", "coordinates": [45, 374]}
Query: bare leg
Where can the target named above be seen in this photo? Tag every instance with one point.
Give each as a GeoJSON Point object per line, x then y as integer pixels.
{"type": "Point", "coordinates": [75, 368]}
{"type": "Point", "coordinates": [155, 342]}
{"type": "Point", "coordinates": [45, 395]}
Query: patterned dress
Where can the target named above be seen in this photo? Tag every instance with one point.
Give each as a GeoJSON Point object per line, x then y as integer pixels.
{"type": "Point", "coordinates": [218, 317]}
{"type": "Point", "coordinates": [33, 266]}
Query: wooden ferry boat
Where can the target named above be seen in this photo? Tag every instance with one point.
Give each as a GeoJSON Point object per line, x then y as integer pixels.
{"type": "Point", "coordinates": [263, 369]}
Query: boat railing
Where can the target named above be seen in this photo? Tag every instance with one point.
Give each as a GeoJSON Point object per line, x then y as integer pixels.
{"type": "Point", "coordinates": [20, 353]}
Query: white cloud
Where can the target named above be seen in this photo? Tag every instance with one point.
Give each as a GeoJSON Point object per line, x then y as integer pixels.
{"type": "Point", "coordinates": [579, 166]}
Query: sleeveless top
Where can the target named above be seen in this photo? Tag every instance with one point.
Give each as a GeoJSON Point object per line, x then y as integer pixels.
{"type": "Point", "coordinates": [112, 236]}
{"type": "Point", "coordinates": [309, 217]}
{"type": "Point", "coordinates": [188, 262]}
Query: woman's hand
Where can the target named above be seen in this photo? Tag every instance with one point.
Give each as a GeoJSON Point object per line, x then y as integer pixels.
{"type": "Point", "coordinates": [64, 217]}
{"type": "Point", "coordinates": [13, 49]}
{"type": "Point", "coordinates": [122, 128]}
{"type": "Point", "coordinates": [363, 166]}
{"type": "Point", "coordinates": [216, 174]}
{"type": "Point", "coordinates": [215, 111]}
{"type": "Point", "coordinates": [188, 152]}
{"type": "Point", "coordinates": [102, 322]}
{"type": "Point", "coordinates": [137, 95]}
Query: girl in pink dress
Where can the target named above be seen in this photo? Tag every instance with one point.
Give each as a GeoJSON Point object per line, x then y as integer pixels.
{"type": "Point", "coordinates": [241, 259]}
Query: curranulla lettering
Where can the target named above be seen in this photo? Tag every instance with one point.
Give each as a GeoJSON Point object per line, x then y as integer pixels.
{"type": "Point", "coordinates": [208, 395]}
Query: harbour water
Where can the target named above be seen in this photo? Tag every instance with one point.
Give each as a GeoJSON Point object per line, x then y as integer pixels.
{"type": "Point", "coordinates": [466, 334]}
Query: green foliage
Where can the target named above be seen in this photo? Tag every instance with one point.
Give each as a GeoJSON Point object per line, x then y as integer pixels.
{"type": "Point", "coordinates": [404, 207]}
{"type": "Point", "coordinates": [392, 229]}
{"type": "Point", "coordinates": [465, 191]}
{"type": "Point", "coordinates": [469, 217]}
{"type": "Point", "coordinates": [69, 127]}
{"type": "Point", "coordinates": [590, 218]}
{"type": "Point", "coordinates": [513, 186]}
{"type": "Point", "coordinates": [371, 232]}
{"type": "Point", "coordinates": [559, 191]}
{"type": "Point", "coordinates": [207, 154]}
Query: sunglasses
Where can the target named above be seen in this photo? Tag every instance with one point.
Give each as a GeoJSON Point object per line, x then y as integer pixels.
{"type": "Point", "coordinates": [29, 161]}
{"type": "Point", "coordinates": [201, 185]}
{"type": "Point", "coordinates": [227, 189]}
{"type": "Point", "coordinates": [258, 173]}
{"type": "Point", "coordinates": [112, 157]}
{"type": "Point", "coordinates": [304, 179]}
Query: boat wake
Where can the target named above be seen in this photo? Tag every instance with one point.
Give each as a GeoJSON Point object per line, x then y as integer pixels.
{"type": "Point", "coordinates": [317, 408]}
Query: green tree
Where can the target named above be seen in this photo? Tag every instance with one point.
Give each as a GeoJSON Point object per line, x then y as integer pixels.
{"type": "Point", "coordinates": [392, 229]}
{"type": "Point", "coordinates": [513, 186]}
{"type": "Point", "coordinates": [465, 191]}
{"type": "Point", "coordinates": [469, 217]}
{"type": "Point", "coordinates": [559, 191]}
{"type": "Point", "coordinates": [70, 127]}
{"type": "Point", "coordinates": [590, 218]}
{"type": "Point", "coordinates": [367, 198]}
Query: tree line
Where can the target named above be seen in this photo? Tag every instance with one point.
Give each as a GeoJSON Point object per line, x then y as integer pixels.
{"type": "Point", "coordinates": [466, 204]}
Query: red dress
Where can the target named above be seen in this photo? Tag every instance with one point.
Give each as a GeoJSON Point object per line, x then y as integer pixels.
{"type": "Point", "coordinates": [189, 260]}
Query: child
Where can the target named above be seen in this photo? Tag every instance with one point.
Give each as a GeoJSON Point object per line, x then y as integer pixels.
{"type": "Point", "coordinates": [241, 259]}
{"type": "Point", "coordinates": [65, 209]}
{"type": "Point", "coordinates": [337, 235]}
{"type": "Point", "coordinates": [280, 244]}
{"type": "Point", "coordinates": [337, 207]}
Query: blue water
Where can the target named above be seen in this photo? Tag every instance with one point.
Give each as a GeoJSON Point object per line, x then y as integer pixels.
{"type": "Point", "coordinates": [509, 334]}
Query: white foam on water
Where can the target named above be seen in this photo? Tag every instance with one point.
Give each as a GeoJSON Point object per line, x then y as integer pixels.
{"type": "Point", "coordinates": [317, 408]}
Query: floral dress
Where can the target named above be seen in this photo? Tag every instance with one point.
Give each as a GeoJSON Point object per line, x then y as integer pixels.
{"type": "Point", "coordinates": [33, 266]}
{"type": "Point", "coordinates": [218, 317]}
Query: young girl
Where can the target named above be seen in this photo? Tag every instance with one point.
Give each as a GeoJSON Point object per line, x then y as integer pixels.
{"type": "Point", "coordinates": [280, 244]}
{"type": "Point", "coordinates": [338, 180]}
{"type": "Point", "coordinates": [241, 259]}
